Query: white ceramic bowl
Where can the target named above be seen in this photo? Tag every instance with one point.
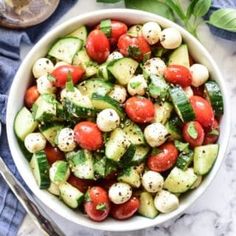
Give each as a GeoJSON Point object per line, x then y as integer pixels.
{"type": "Point", "coordinates": [21, 82]}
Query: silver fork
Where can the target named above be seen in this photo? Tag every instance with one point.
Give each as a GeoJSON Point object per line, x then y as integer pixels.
{"type": "Point", "coordinates": [40, 218]}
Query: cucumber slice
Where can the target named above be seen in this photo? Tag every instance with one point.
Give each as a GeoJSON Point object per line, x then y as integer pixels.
{"type": "Point", "coordinates": [214, 96]}
{"type": "Point", "coordinates": [103, 102]}
{"type": "Point", "coordinates": [134, 133]}
{"type": "Point", "coordinates": [130, 176]}
{"type": "Point", "coordinates": [181, 103]}
{"type": "Point", "coordinates": [140, 154]}
{"type": "Point", "coordinates": [135, 31]}
{"type": "Point", "coordinates": [54, 189]}
{"type": "Point", "coordinates": [50, 131]}
{"type": "Point", "coordinates": [81, 58]}
{"type": "Point", "coordinates": [173, 127]}
{"type": "Point", "coordinates": [80, 33]}
{"type": "Point", "coordinates": [147, 207]}
{"type": "Point", "coordinates": [184, 160]}
{"type": "Point", "coordinates": [123, 69]}
{"type": "Point", "coordinates": [59, 172]}
{"type": "Point", "coordinates": [180, 56]}
{"type": "Point", "coordinates": [65, 49]}
{"type": "Point", "coordinates": [104, 73]}
{"type": "Point", "coordinates": [24, 123]}
{"type": "Point", "coordinates": [162, 112]}
{"type": "Point", "coordinates": [179, 181]}
{"type": "Point", "coordinates": [81, 163]}
{"type": "Point", "coordinates": [127, 157]}
{"type": "Point", "coordinates": [117, 145]}
{"type": "Point", "coordinates": [70, 195]}
{"type": "Point", "coordinates": [40, 168]}
{"type": "Point", "coordinates": [99, 167]}
{"type": "Point", "coordinates": [204, 158]}
{"type": "Point", "coordinates": [97, 86]}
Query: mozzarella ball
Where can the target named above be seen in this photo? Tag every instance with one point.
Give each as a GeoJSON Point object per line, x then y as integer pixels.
{"type": "Point", "coordinates": [151, 31]}
{"type": "Point", "coordinates": [137, 85]}
{"type": "Point", "coordinates": [118, 93]}
{"type": "Point", "coordinates": [65, 140]}
{"type": "Point", "coordinates": [156, 134]}
{"type": "Point", "coordinates": [114, 56]}
{"type": "Point", "coordinates": [44, 85]}
{"type": "Point", "coordinates": [108, 120]}
{"type": "Point", "coordinates": [60, 63]}
{"type": "Point", "coordinates": [188, 91]}
{"type": "Point", "coordinates": [35, 142]}
{"type": "Point", "coordinates": [166, 202]}
{"type": "Point", "coordinates": [152, 181]}
{"type": "Point", "coordinates": [170, 38]}
{"type": "Point", "coordinates": [120, 193]}
{"type": "Point", "coordinates": [154, 66]}
{"type": "Point", "coordinates": [42, 67]}
{"type": "Point", "coordinates": [59, 172]}
{"type": "Point", "coordinates": [200, 74]}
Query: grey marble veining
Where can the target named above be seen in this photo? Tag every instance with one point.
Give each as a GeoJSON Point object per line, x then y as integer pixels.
{"type": "Point", "coordinates": [214, 214]}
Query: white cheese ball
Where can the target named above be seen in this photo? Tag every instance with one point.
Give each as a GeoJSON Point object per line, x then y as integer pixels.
{"type": "Point", "coordinates": [188, 91]}
{"type": "Point", "coordinates": [156, 134]}
{"type": "Point", "coordinates": [170, 38]}
{"type": "Point", "coordinates": [58, 174]}
{"type": "Point", "coordinates": [114, 56]}
{"type": "Point", "coordinates": [35, 142]}
{"type": "Point", "coordinates": [118, 93]}
{"type": "Point", "coordinates": [151, 31]}
{"type": "Point", "coordinates": [65, 140]}
{"type": "Point", "coordinates": [137, 85]}
{"type": "Point", "coordinates": [44, 85]}
{"type": "Point", "coordinates": [120, 193]}
{"type": "Point", "coordinates": [42, 67]}
{"type": "Point", "coordinates": [108, 120]}
{"type": "Point", "coordinates": [61, 63]}
{"type": "Point", "coordinates": [152, 181]}
{"type": "Point", "coordinates": [154, 66]}
{"type": "Point", "coordinates": [200, 74]}
{"type": "Point", "coordinates": [166, 202]}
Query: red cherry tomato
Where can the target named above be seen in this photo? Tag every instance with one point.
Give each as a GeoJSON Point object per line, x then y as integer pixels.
{"type": "Point", "coordinates": [212, 134]}
{"type": "Point", "coordinates": [193, 133]}
{"type": "Point", "coordinates": [177, 74]}
{"type": "Point", "coordinates": [31, 96]}
{"type": "Point", "coordinates": [135, 47]}
{"type": "Point", "coordinates": [163, 160]}
{"type": "Point", "coordinates": [97, 46]}
{"type": "Point", "coordinates": [53, 154]}
{"type": "Point", "coordinates": [139, 109]}
{"type": "Point", "coordinates": [117, 29]}
{"type": "Point", "coordinates": [97, 205]}
{"type": "Point", "coordinates": [88, 136]}
{"type": "Point", "coordinates": [125, 210]}
{"type": "Point", "coordinates": [63, 73]}
{"type": "Point", "coordinates": [81, 184]}
{"type": "Point", "coordinates": [203, 111]}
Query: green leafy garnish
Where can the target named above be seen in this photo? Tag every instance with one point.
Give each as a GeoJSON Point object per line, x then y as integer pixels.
{"type": "Point", "coordinates": [135, 85]}
{"type": "Point", "coordinates": [192, 130]}
{"type": "Point", "coordinates": [101, 207]}
{"type": "Point", "coordinates": [51, 78]}
{"type": "Point", "coordinates": [182, 146]}
{"type": "Point", "coordinates": [105, 27]}
{"type": "Point", "coordinates": [134, 51]}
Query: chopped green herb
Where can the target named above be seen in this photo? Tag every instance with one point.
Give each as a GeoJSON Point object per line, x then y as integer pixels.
{"type": "Point", "coordinates": [101, 207]}
{"type": "Point", "coordinates": [182, 146]}
{"type": "Point", "coordinates": [51, 78]}
{"type": "Point", "coordinates": [134, 51]}
{"type": "Point", "coordinates": [135, 85]}
{"type": "Point", "coordinates": [192, 130]}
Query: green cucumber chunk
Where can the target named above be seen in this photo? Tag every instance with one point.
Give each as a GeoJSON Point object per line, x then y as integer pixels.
{"type": "Point", "coordinates": [80, 33]}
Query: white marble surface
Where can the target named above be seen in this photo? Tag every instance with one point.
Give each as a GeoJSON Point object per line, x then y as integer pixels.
{"type": "Point", "coordinates": [215, 212]}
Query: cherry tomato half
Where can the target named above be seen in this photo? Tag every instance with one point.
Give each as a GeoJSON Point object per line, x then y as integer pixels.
{"type": "Point", "coordinates": [212, 134]}
{"type": "Point", "coordinates": [31, 96]}
{"type": "Point", "coordinates": [88, 136]}
{"type": "Point", "coordinates": [163, 160]}
{"type": "Point", "coordinates": [53, 154]}
{"type": "Point", "coordinates": [193, 133]}
{"type": "Point", "coordinates": [135, 47]}
{"type": "Point", "coordinates": [125, 210]}
{"type": "Point", "coordinates": [81, 184]}
{"type": "Point", "coordinates": [139, 109]}
{"type": "Point", "coordinates": [97, 46]}
{"type": "Point", "coordinates": [63, 73]}
{"type": "Point", "coordinates": [97, 204]}
{"type": "Point", "coordinates": [203, 111]}
{"type": "Point", "coordinates": [177, 74]}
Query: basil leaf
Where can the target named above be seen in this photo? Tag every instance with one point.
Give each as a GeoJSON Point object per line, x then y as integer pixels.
{"type": "Point", "coordinates": [190, 8]}
{"type": "Point", "coordinates": [201, 7]}
{"type": "Point", "coordinates": [153, 6]}
{"type": "Point", "coordinates": [224, 19]}
{"type": "Point", "coordinates": [192, 131]}
{"type": "Point", "coordinates": [105, 27]}
{"type": "Point", "coordinates": [176, 7]}
{"type": "Point", "coordinates": [101, 207]}
{"type": "Point", "coordinates": [109, 1]}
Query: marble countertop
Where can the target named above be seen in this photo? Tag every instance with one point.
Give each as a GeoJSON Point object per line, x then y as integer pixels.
{"type": "Point", "coordinates": [214, 213]}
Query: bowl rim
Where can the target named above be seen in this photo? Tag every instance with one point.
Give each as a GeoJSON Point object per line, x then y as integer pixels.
{"type": "Point", "coordinates": [126, 225]}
